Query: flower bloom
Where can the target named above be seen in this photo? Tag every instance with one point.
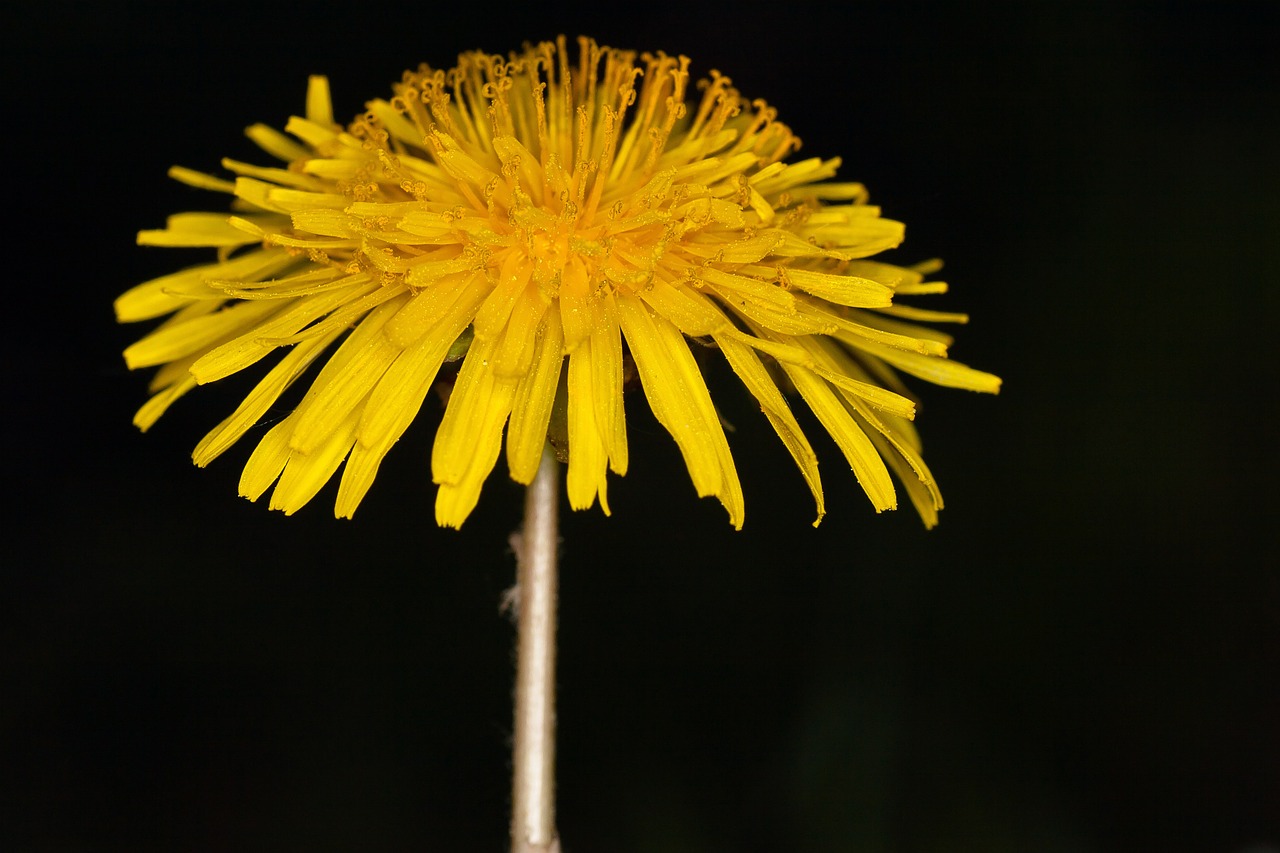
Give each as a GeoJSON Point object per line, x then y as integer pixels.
{"type": "Point", "coordinates": [560, 229]}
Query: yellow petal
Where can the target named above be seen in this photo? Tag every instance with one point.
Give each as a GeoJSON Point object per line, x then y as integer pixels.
{"type": "Point", "coordinates": [267, 460]}
{"type": "Point", "coordinates": [922, 315]}
{"type": "Point", "coordinates": [747, 365]}
{"type": "Point", "coordinates": [406, 383]}
{"type": "Point", "coordinates": [170, 292]}
{"type": "Point", "coordinates": [197, 229]}
{"type": "Point", "coordinates": [606, 375]}
{"type": "Point", "coordinates": [299, 284]}
{"type": "Point", "coordinates": [577, 304]}
{"type": "Point", "coordinates": [254, 406]}
{"type": "Point", "coordinates": [156, 406]}
{"type": "Point", "coordinates": [470, 434]}
{"type": "Point", "coordinates": [306, 473]}
{"type": "Point", "coordinates": [346, 380]}
{"type": "Point", "coordinates": [275, 143]}
{"type": "Point", "coordinates": [692, 313]}
{"type": "Point", "coordinates": [200, 180]}
{"type": "Point", "coordinates": [424, 310]}
{"type": "Point", "coordinates": [399, 394]}
{"type": "Point", "coordinates": [515, 349]}
{"type": "Point", "coordinates": [263, 337]}
{"type": "Point", "coordinates": [841, 289]}
{"type": "Point", "coordinates": [927, 345]}
{"type": "Point", "coordinates": [925, 497]}
{"type": "Point", "coordinates": [587, 458]}
{"type": "Point", "coordinates": [319, 103]}
{"type": "Point", "coordinates": [455, 501]}
{"type": "Point", "coordinates": [275, 175]}
{"type": "Point", "coordinates": [315, 135]}
{"type": "Point", "coordinates": [877, 320]}
{"type": "Point", "coordinates": [678, 396]}
{"type": "Point", "coordinates": [940, 371]}
{"type": "Point", "coordinates": [173, 341]}
{"type": "Point", "coordinates": [835, 367]}
{"type": "Point", "coordinates": [531, 411]}
{"type": "Point", "coordinates": [762, 291]}
{"type": "Point", "coordinates": [512, 281]}
{"type": "Point", "coordinates": [896, 449]}
{"type": "Point", "coordinates": [348, 314]}
{"type": "Point", "coordinates": [858, 450]}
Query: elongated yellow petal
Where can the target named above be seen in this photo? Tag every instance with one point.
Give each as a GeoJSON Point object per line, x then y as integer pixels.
{"type": "Point", "coordinates": [923, 315]}
{"type": "Point", "coordinates": [168, 293]}
{"type": "Point", "coordinates": [455, 501]}
{"type": "Point", "coordinates": [515, 350]}
{"type": "Point", "coordinates": [470, 434]}
{"type": "Point", "coordinates": [858, 450]}
{"type": "Point", "coordinates": [172, 342]}
{"type": "Point", "coordinates": [160, 402]}
{"type": "Point", "coordinates": [924, 495]}
{"type": "Point", "coordinates": [306, 473]}
{"type": "Point", "coordinates": [178, 370]}
{"type": "Point", "coordinates": [260, 399]}
{"type": "Point", "coordinates": [940, 371]}
{"type": "Point", "coordinates": [357, 366]}
{"type": "Point", "coordinates": [274, 174]}
{"type": "Point", "coordinates": [878, 397]}
{"type": "Point", "coordinates": [276, 143]}
{"type": "Point", "coordinates": [314, 134]}
{"type": "Point", "coordinates": [853, 330]}
{"type": "Point", "coordinates": [747, 365]}
{"type": "Point", "coordinates": [678, 396]}
{"type": "Point", "coordinates": [831, 365]}
{"type": "Point", "coordinates": [760, 291]}
{"type": "Point", "coordinates": [348, 314]}
{"type": "Point", "coordinates": [535, 395]}
{"type": "Point", "coordinates": [587, 458]}
{"type": "Point", "coordinates": [200, 180]}
{"type": "Point", "coordinates": [693, 314]}
{"type": "Point", "coordinates": [840, 289]}
{"type": "Point", "coordinates": [197, 229]}
{"type": "Point", "coordinates": [606, 392]}
{"type": "Point", "coordinates": [258, 341]}
{"type": "Point", "coordinates": [878, 320]}
{"type": "Point", "coordinates": [513, 280]}
{"type": "Point", "coordinates": [267, 461]}
{"type": "Point", "coordinates": [902, 455]}
{"type": "Point", "coordinates": [577, 304]}
{"type": "Point", "coordinates": [424, 310]}
{"type": "Point", "coordinates": [405, 384]}
{"type": "Point", "coordinates": [399, 394]}
{"type": "Point", "coordinates": [785, 322]}
{"type": "Point", "coordinates": [319, 104]}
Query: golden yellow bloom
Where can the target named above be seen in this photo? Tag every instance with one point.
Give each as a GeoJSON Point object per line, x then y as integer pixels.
{"type": "Point", "coordinates": [523, 213]}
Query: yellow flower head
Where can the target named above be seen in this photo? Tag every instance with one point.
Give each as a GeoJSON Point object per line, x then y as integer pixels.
{"type": "Point", "coordinates": [560, 228]}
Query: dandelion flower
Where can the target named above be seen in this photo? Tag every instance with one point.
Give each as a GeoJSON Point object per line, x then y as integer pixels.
{"type": "Point", "coordinates": [537, 228]}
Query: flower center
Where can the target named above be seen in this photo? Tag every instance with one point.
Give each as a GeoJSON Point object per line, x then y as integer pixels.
{"type": "Point", "coordinates": [565, 246]}
{"type": "Point", "coordinates": [549, 252]}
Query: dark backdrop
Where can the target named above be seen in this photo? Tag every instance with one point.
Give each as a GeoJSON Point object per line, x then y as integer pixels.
{"type": "Point", "coordinates": [1083, 657]}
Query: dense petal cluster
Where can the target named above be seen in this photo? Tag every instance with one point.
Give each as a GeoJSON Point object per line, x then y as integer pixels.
{"type": "Point", "coordinates": [554, 230]}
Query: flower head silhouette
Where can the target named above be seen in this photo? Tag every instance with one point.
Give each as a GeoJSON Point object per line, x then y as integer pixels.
{"type": "Point", "coordinates": [554, 229]}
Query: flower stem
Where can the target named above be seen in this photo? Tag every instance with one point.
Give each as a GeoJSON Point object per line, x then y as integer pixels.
{"type": "Point", "coordinates": [533, 812]}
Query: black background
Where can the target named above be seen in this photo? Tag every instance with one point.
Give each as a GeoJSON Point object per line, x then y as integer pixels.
{"type": "Point", "coordinates": [1082, 657]}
